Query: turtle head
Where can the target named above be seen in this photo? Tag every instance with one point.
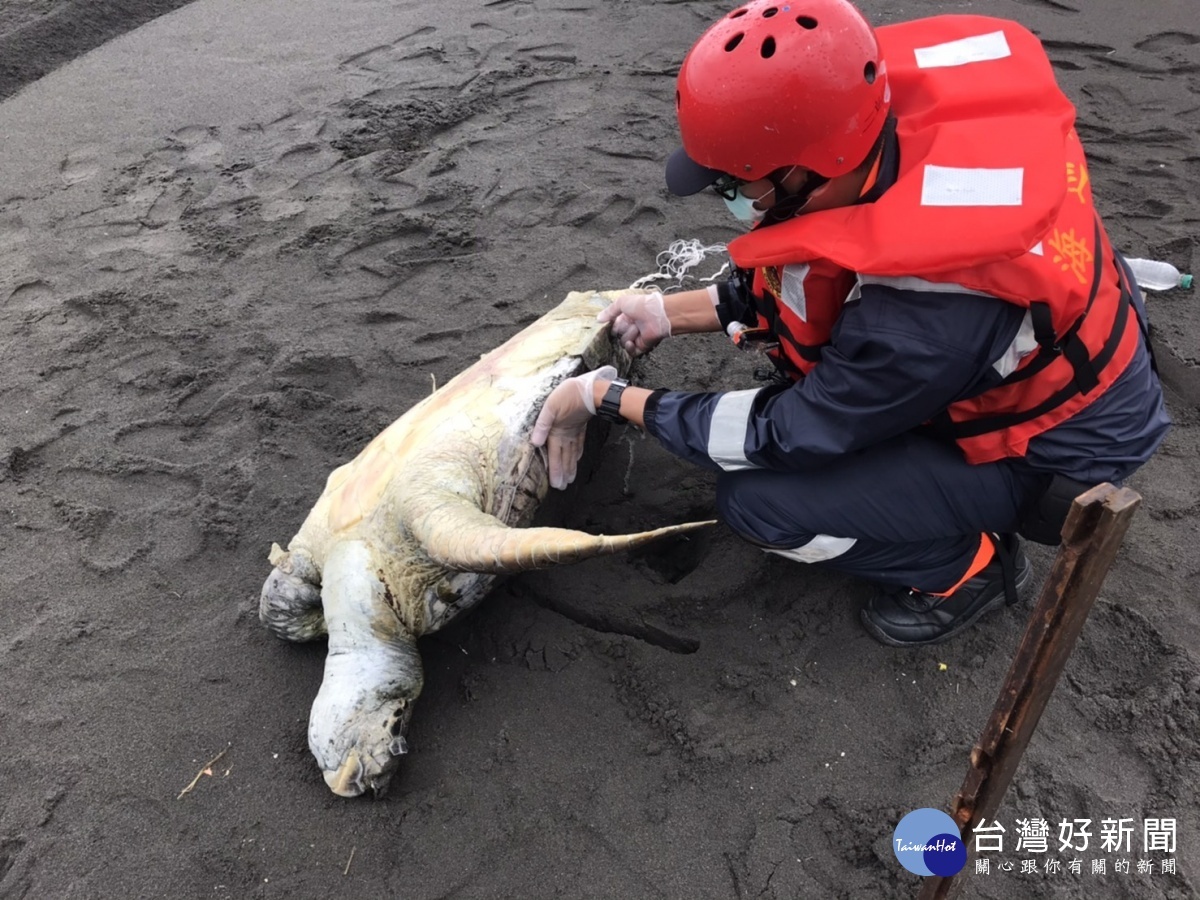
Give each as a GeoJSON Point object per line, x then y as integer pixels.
{"type": "Point", "coordinates": [357, 726]}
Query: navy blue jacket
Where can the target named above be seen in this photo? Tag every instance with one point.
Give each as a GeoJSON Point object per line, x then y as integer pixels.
{"type": "Point", "coordinates": [897, 358]}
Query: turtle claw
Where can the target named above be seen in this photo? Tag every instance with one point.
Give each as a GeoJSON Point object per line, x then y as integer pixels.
{"type": "Point", "coordinates": [358, 774]}
{"type": "Point", "coordinates": [347, 780]}
{"type": "Point", "coordinates": [352, 779]}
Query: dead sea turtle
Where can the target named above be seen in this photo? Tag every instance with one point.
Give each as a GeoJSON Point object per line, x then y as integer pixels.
{"type": "Point", "coordinates": [414, 530]}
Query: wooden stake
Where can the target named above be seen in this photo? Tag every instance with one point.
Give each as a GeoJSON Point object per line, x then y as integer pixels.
{"type": "Point", "coordinates": [1092, 534]}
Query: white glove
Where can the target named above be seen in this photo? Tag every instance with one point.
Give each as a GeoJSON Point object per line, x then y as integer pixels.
{"type": "Point", "coordinates": [639, 321]}
{"type": "Point", "coordinates": [562, 423]}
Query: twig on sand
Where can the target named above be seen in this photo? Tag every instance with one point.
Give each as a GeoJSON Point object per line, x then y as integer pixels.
{"type": "Point", "coordinates": [206, 769]}
{"type": "Point", "coordinates": [346, 871]}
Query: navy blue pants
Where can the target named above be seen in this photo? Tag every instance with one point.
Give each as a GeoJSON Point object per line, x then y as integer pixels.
{"type": "Point", "coordinates": [907, 512]}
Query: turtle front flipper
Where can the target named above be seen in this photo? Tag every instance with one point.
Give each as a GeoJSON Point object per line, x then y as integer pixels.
{"type": "Point", "coordinates": [372, 678]}
{"type": "Point", "coordinates": [290, 603]}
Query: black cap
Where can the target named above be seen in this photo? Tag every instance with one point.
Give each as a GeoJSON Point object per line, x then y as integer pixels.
{"type": "Point", "coordinates": [685, 176]}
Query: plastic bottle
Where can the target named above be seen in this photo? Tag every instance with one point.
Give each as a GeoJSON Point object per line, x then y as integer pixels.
{"type": "Point", "coordinates": [1157, 275]}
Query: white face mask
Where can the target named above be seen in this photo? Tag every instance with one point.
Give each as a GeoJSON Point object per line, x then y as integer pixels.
{"type": "Point", "coordinates": [743, 209]}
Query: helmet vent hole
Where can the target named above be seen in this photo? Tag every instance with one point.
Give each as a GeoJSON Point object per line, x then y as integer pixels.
{"type": "Point", "coordinates": [768, 48]}
{"type": "Point", "coordinates": [732, 43]}
{"type": "Point", "coordinates": [869, 73]}
{"type": "Point", "coordinates": [806, 22]}
{"type": "Point", "coordinates": [769, 11]}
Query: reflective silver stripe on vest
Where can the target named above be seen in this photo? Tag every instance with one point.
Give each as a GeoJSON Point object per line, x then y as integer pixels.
{"type": "Point", "coordinates": [819, 549]}
{"type": "Point", "coordinates": [727, 431]}
{"type": "Point", "coordinates": [980, 48]}
{"type": "Point", "coordinates": [791, 289]}
{"type": "Point", "coordinates": [950, 186]}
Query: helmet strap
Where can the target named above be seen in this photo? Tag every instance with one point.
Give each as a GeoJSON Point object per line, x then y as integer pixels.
{"type": "Point", "coordinates": [788, 205]}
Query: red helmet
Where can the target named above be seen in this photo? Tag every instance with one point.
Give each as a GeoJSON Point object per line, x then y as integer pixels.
{"type": "Point", "coordinates": [778, 83]}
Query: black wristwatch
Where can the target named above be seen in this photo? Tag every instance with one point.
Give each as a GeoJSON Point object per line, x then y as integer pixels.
{"type": "Point", "coordinates": [610, 406]}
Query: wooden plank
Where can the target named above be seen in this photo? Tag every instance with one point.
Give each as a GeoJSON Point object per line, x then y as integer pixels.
{"type": "Point", "coordinates": [1092, 535]}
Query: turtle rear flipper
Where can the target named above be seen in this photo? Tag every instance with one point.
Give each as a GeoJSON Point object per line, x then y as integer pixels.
{"type": "Point", "coordinates": [290, 604]}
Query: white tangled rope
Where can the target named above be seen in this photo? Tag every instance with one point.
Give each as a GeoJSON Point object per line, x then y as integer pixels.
{"type": "Point", "coordinates": [677, 260]}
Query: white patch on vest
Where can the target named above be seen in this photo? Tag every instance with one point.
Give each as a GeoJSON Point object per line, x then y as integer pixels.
{"type": "Point", "coordinates": [727, 431]}
{"type": "Point", "coordinates": [1038, 249]}
{"type": "Point", "coordinates": [946, 186]}
{"type": "Point", "coordinates": [792, 289]}
{"type": "Point", "coordinates": [819, 549]}
{"type": "Point", "coordinates": [1022, 345]}
{"type": "Point", "coordinates": [981, 48]}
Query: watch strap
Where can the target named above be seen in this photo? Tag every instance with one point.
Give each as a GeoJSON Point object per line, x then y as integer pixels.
{"type": "Point", "coordinates": [610, 406]}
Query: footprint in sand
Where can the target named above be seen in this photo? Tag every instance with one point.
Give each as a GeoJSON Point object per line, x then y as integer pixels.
{"type": "Point", "coordinates": [205, 156]}
{"type": "Point", "coordinates": [31, 296]}
{"type": "Point", "coordinates": [383, 58]}
{"type": "Point", "coordinates": [191, 135]}
{"type": "Point", "coordinates": [13, 231]}
{"type": "Point", "coordinates": [1164, 40]}
{"type": "Point", "coordinates": [199, 147]}
{"type": "Point", "coordinates": [79, 165]}
{"type": "Point", "coordinates": [107, 498]}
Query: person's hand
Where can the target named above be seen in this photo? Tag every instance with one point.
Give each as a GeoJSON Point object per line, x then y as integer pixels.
{"type": "Point", "coordinates": [562, 423]}
{"type": "Point", "coordinates": [639, 321]}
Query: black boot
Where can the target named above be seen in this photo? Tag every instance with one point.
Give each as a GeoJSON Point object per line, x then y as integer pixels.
{"type": "Point", "coordinates": [909, 618]}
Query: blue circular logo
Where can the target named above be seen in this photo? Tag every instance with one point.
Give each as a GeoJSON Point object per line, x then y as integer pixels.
{"type": "Point", "coordinates": [927, 842]}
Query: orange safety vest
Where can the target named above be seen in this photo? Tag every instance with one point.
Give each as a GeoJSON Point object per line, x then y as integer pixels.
{"type": "Point", "coordinates": [802, 317]}
{"type": "Point", "coordinates": [992, 196]}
